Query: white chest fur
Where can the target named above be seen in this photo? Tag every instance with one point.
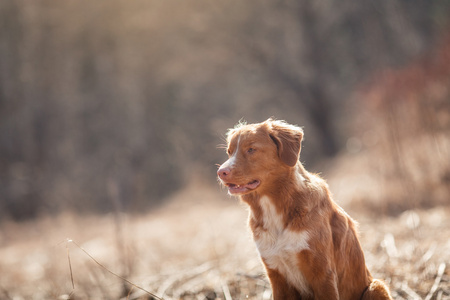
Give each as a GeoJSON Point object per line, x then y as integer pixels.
{"type": "Point", "coordinates": [279, 246]}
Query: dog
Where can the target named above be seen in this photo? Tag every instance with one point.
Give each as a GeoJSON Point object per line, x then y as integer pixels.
{"type": "Point", "coordinates": [307, 243]}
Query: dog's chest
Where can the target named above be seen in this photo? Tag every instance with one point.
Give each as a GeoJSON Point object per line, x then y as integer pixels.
{"type": "Point", "coordinates": [279, 247]}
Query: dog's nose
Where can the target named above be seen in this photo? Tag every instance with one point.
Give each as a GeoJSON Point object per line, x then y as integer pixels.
{"type": "Point", "coordinates": [223, 172]}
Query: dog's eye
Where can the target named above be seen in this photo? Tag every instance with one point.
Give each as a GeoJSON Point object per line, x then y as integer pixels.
{"type": "Point", "coordinates": [251, 150]}
{"type": "Point", "coordinates": [228, 151]}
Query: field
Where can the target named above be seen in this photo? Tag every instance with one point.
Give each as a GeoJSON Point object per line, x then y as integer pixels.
{"type": "Point", "coordinates": [112, 106]}
{"type": "Point", "coordinates": [198, 246]}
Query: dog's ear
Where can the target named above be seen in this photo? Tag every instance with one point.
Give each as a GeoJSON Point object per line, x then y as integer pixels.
{"type": "Point", "coordinates": [288, 139]}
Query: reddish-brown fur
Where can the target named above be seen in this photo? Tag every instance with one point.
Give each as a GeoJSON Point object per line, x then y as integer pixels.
{"type": "Point", "coordinates": [307, 243]}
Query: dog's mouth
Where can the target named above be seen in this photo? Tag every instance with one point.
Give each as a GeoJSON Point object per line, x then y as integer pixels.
{"type": "Point", "coordinates": [236, 189]}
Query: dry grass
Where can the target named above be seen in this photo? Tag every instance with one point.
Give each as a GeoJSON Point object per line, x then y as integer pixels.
{"type": "Point", "coordinates": [198, 247]}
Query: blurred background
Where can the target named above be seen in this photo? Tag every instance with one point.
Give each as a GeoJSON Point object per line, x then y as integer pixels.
{"type": "Point", "coordinates": [116, 105]}
{"type": "Point", "coordinates": [112, 114]}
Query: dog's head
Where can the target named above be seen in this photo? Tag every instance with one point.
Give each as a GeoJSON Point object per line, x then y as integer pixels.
{"type": "Point", "coordinates": [258, 154]}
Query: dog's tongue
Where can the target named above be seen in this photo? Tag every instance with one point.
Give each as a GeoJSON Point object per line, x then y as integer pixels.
{"type": "Point", "coordinates": [252, 185]}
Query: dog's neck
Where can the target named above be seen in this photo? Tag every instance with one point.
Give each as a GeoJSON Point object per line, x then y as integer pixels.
{"type": "Point", "coordinates": [294, 186]}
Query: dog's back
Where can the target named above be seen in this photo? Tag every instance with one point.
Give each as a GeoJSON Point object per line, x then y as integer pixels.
{"type": "Point", "coordinates": [307, 243]}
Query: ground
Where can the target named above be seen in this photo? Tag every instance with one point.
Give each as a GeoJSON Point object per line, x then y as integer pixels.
{"type": "Point", "coordinates": [198, 246]}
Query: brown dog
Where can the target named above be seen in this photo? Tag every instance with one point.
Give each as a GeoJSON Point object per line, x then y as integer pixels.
{"type": "Point", "coordinates": [307, 243]}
